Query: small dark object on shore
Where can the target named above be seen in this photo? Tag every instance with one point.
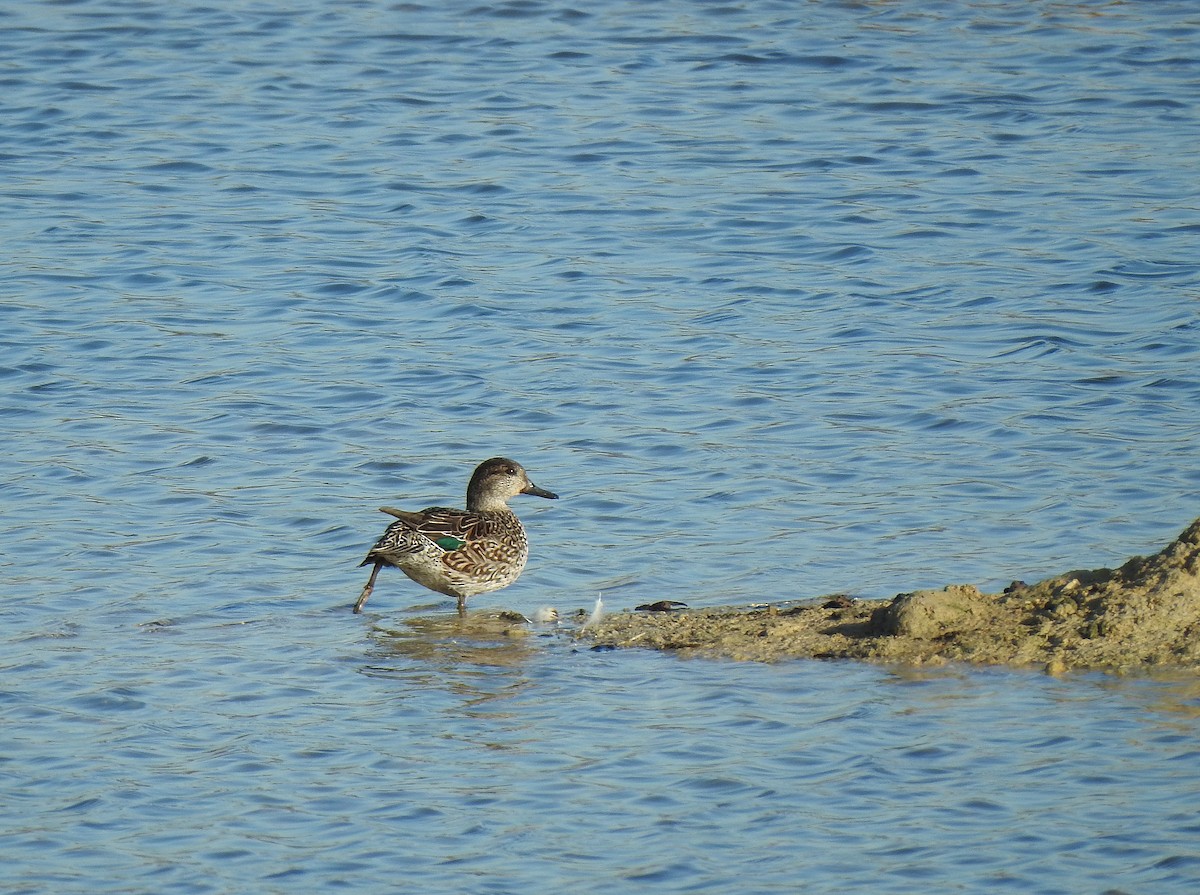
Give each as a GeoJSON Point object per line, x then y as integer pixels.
{"type": "Point", "coordinates": [841, 601]}
{"type": "Point", "coordinates": [1016, 587]}
{"type": "Point", "coordinates": [661, 606]}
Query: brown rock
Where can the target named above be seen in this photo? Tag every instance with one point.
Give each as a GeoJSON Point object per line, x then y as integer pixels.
{"type": "Point", "coordinates": [926, 614]}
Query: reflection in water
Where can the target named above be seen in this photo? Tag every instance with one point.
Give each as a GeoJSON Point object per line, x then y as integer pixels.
{"type": "Point", "coordinates": [481, 657]}
{"type": "Point", "coordinates": [1167, 697]}
{"type": "Point", "coordinates": [1163, 696]}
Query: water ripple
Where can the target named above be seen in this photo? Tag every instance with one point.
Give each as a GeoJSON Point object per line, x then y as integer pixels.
{"type": "Point", "coordinates": [782, 299]}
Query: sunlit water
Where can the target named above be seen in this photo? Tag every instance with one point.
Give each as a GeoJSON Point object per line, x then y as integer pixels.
{"type": "Point", "coordinates": [782, 298]}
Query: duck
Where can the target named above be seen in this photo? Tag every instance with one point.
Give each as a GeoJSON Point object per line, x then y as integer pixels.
{"type": "Point", "coordinates": [460, 553]}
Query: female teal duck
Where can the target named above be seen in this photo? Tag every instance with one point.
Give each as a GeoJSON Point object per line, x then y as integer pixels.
{"type": "Point", "coordinates": [461, 553]}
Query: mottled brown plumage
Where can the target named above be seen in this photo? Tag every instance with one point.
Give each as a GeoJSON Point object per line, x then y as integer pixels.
{"type": "Point", "coordinates": [460, 553]}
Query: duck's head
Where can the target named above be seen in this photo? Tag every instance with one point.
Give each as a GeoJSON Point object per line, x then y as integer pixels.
{"type": "Point", "coordinates": [495, 481]}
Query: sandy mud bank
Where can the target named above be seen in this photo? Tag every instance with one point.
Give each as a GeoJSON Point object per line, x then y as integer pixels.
{"type": "Point", "coordinates": [1145, 613]}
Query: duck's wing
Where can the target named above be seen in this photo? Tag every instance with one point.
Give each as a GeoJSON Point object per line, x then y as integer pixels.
{"type": "Point", "coordinates": [406, 515]}
{"type": "Point", "coordinates": [478, 547]}
{"type": "Point", "coordinates": [442, 526]}
{"type": "Point", "coordinates": [413, 533]}
{"type": "Point", "coordinates": [471, 544]}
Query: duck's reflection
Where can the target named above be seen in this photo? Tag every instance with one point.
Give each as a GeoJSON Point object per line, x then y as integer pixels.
{"type": "Point", "coordinates": [482, 656]}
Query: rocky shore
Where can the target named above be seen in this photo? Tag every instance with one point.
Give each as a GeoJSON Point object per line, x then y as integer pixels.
{"type": "Point", "coordinates": [1144, 614]}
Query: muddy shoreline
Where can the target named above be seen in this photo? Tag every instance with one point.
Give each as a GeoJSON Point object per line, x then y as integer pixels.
{"type": "Point", "coordinates": [1144, 614]}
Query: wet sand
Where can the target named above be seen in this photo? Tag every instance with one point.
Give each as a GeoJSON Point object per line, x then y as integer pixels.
{"type": "Point", "coordinates": [1144, 614]}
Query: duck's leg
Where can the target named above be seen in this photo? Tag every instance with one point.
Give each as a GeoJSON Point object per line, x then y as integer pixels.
{"type": "Point", "coordinates": [462, 607]}
{"type": "Point", "coordinates": [366, 591]}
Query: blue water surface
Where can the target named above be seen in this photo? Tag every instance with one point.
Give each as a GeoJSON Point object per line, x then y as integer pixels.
{"type": "Point", "coordinates": [782, 298]}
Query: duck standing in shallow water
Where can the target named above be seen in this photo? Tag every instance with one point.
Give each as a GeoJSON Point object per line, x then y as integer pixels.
{"type": "Point", "coordinates": [461, 553]}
